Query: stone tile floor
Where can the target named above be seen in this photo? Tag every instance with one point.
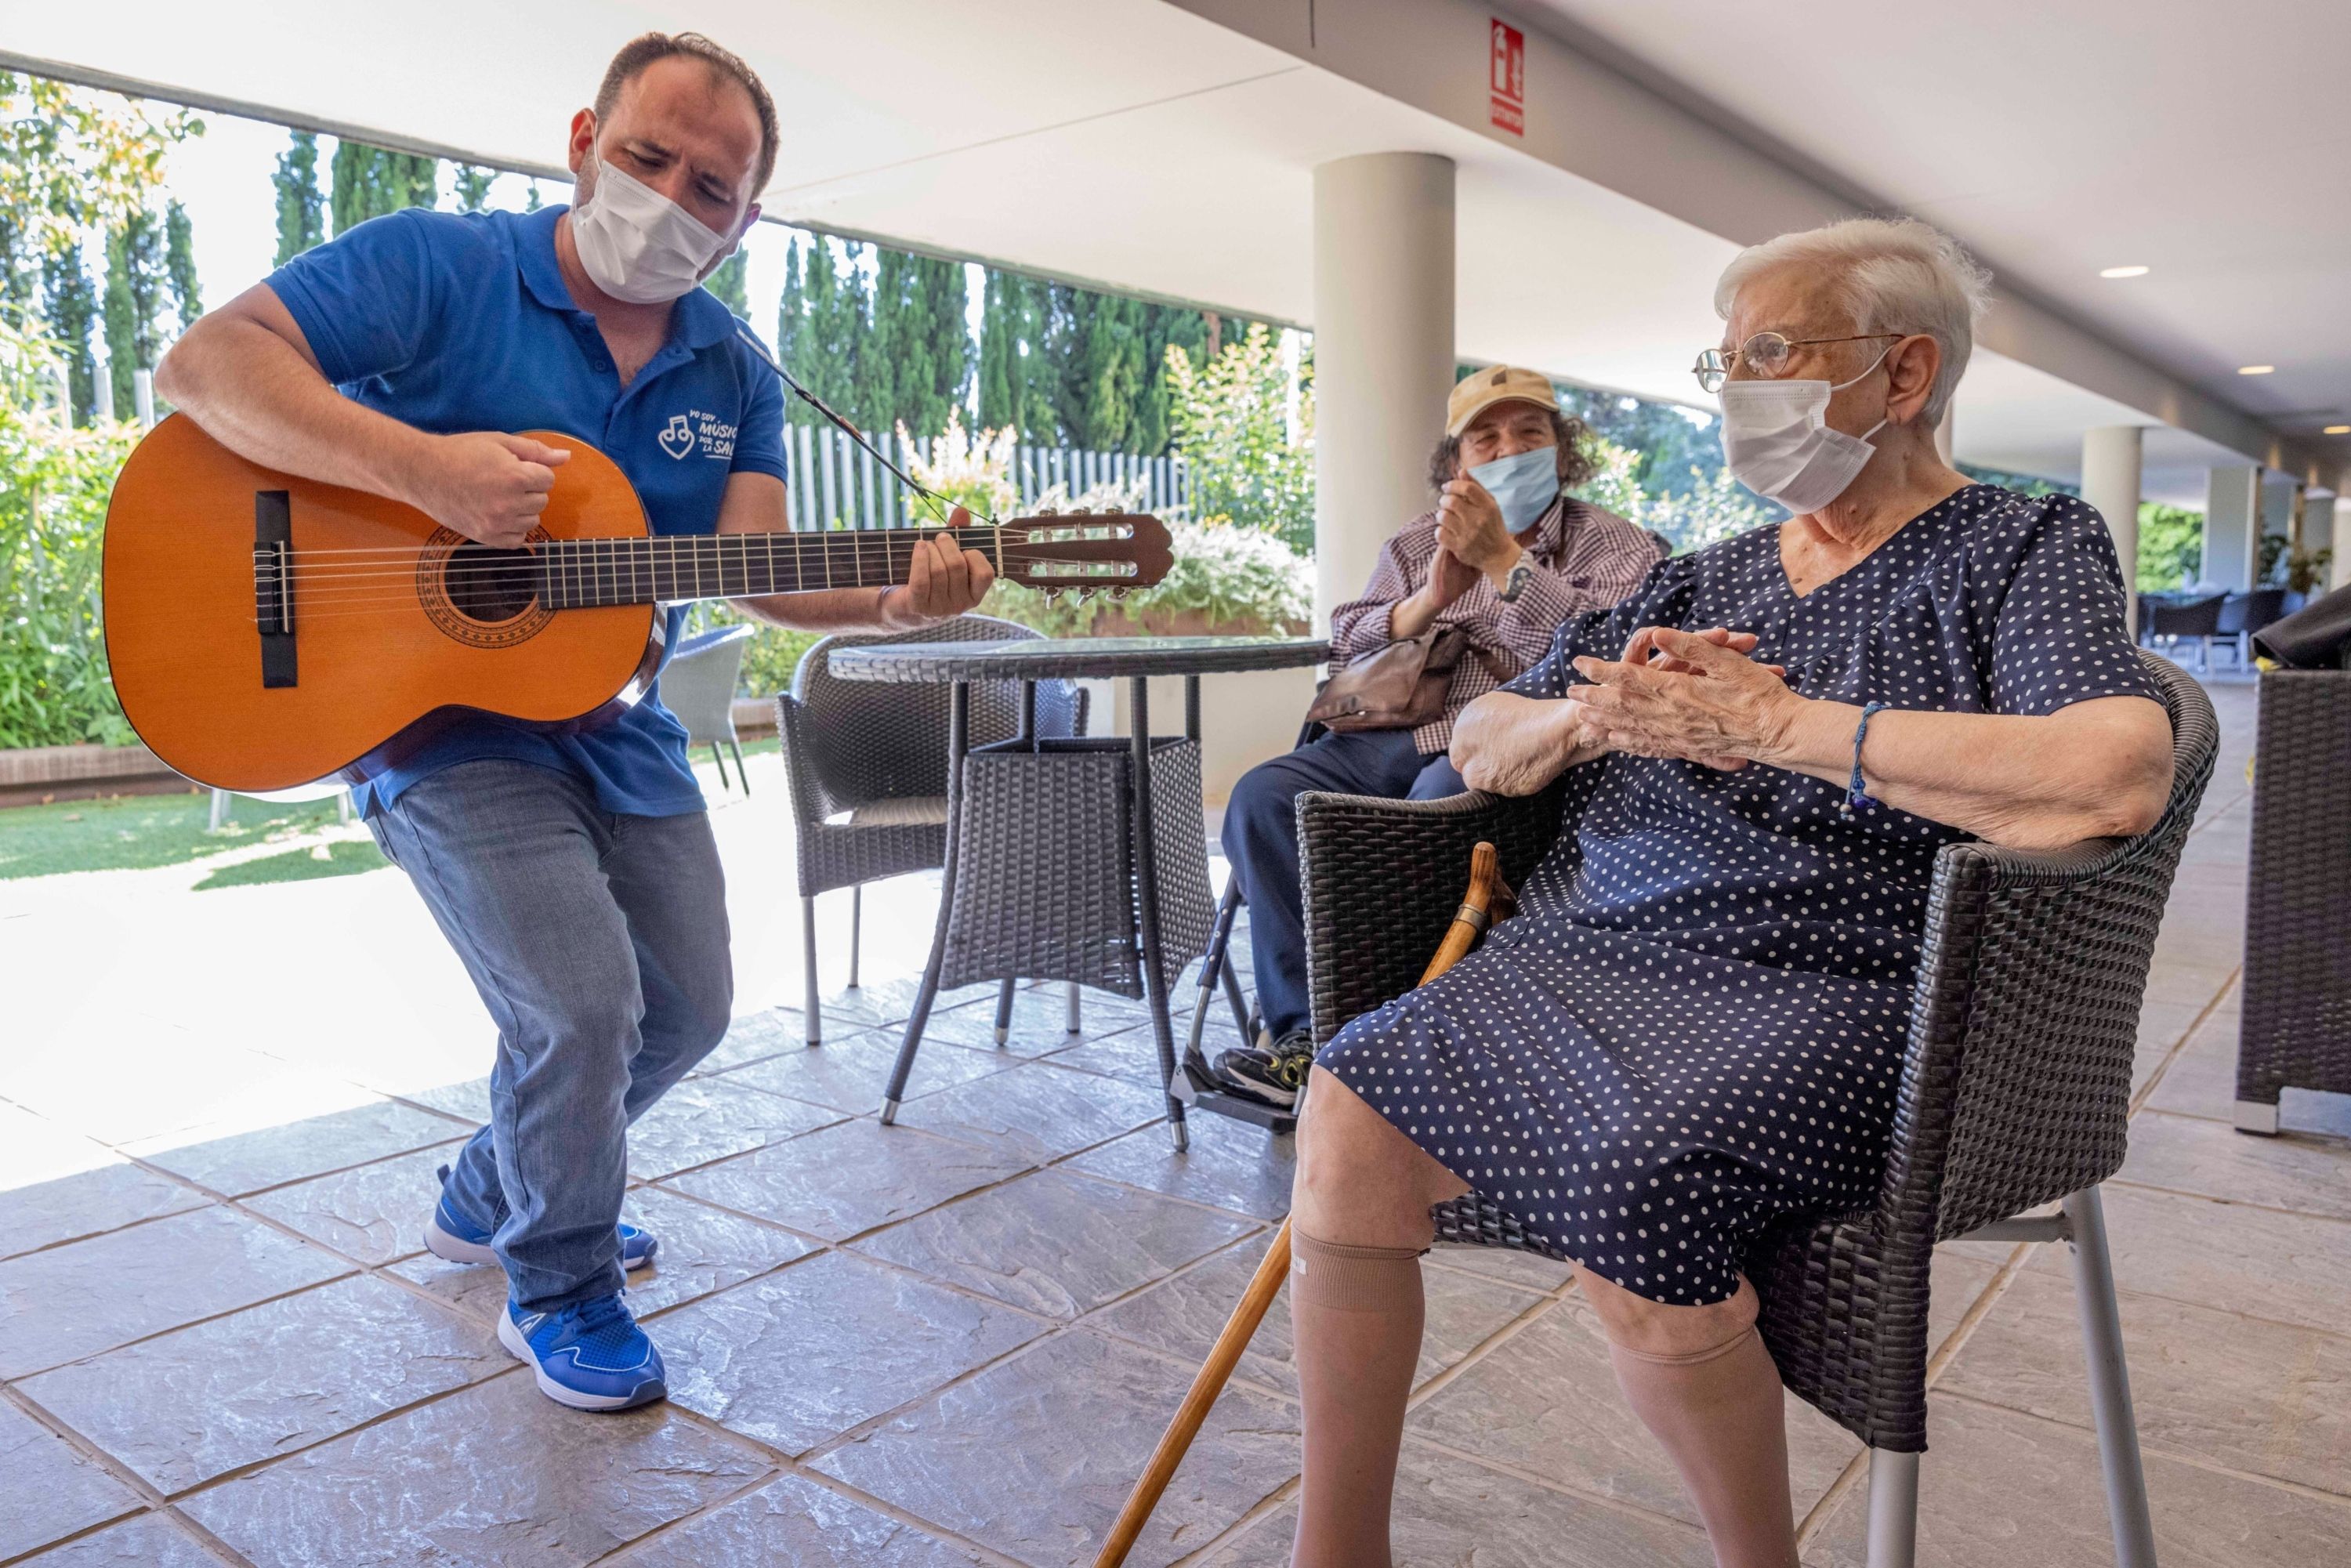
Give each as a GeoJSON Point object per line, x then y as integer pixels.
{"type": "Point", "coordinates": [953, 1341]}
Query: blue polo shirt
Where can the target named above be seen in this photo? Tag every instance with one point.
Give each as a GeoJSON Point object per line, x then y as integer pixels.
{"type": "Point", "coordinates": [455, 323]}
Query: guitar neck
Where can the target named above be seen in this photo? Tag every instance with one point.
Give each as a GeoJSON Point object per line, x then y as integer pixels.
{"type": "Point", "coordinates": [672, 569]}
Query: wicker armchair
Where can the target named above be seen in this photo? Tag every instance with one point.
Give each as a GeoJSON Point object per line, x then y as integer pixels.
{"type": "Point", "coordinates": [2014, 1095]}
{"type": "Point", "coordinates": [697, 686]}
{"type": "Point", "coordinates": [2297, 1016]}
{"type": "Point", "coordinates": [868, 769]}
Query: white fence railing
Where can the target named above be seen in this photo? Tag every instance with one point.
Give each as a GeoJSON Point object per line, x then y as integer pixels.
{"type": "Point", "coordinates": [833, 482]}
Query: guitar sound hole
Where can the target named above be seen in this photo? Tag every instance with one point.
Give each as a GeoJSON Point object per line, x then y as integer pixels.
{"type": "Point", "coordinates": [491, 585]}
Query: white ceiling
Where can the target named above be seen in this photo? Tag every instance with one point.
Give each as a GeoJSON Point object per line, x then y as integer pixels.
{"type": "Point", "coordinates": [1134, 144]}
{"type": "Point", "coordinates": [2207, 142]}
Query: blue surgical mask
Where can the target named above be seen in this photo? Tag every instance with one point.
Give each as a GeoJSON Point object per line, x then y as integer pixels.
{"type": "Point", "coordinates": [1523, 484]}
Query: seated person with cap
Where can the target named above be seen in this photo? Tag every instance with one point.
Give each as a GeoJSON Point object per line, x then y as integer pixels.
{"type": "Point", "coordinates": [1505, 557]}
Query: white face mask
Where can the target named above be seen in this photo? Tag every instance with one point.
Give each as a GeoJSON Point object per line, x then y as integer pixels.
{"type": "Point", "coordinates": [1776, 440]}
{"type": "Point", "coordinates": [637, 243]}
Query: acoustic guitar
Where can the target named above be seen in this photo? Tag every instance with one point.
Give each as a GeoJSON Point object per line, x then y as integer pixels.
{"type": "Point", "coordinates": [267, 630]}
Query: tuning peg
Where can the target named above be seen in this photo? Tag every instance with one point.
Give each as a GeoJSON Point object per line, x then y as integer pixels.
{"type": "Point", "coordinates": [1083, 511]}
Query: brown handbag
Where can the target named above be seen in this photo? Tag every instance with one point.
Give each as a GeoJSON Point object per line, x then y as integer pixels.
{"type": "Point", "coordinates": [1401, 685]}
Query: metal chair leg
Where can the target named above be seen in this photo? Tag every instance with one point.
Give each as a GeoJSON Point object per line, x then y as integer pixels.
{"type": "Point", "coordinates": [1004, 1012]}
{"type": "Point", "coordinates": [815, 1009]}
{"type": "Point", "coordinates": [718, 762]}
{"type": "Point", "coordinates": [741, 772]}
{"type": "Point", "coordinates": [220, 808]}
{"type": "Point", "coordinates": [1074, 1024]}
{"type": "Point", "coordinates": [2110, 1399]}
{"type": "Point", "coordinates": [1892, 1509]}
{"type": "Point", "coordinates": [856, 926]}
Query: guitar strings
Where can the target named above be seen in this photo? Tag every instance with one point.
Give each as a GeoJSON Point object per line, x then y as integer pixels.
{"type": "Point", "coordinates": [589, 570]}
{"type": "Point", "coordinates": [407, 604]}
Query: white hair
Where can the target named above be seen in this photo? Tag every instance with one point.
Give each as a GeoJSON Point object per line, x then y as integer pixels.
{"type": "Point", "coordinates": [1894, 275]}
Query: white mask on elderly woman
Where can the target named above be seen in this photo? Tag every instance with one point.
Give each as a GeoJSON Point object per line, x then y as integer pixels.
{"type": "Point", "coordinates": [637, 243]}
{"type": "Point", "coordinates": [1777, 441]}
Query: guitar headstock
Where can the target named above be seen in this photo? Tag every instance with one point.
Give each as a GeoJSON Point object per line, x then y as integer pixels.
{"type": "Point", "coordinates": [1084, 552]}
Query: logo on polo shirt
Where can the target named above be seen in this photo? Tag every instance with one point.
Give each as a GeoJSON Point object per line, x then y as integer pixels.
{"type": "Point", "coordinates": [695, 431]}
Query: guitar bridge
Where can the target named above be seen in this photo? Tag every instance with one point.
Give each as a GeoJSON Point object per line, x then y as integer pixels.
{"type": "Point", "coordinates": [272, 585]}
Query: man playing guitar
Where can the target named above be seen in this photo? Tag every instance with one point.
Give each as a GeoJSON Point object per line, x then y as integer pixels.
{"type": "Point", "coordinates": [575, 874]}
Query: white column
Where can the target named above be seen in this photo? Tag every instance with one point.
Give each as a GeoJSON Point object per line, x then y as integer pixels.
{"type": "Point", "coordinates": [1383, 355]}
{"type": "Point", "coordinates": [2231, 522]}
{"type": "Point", "coordinates": [2110, 481]}
{"type": "Point", "coordinates": [2338, 571]}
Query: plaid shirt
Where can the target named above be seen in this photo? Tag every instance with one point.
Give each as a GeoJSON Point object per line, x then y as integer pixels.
{"type": "Point", "coordinates": [1585, 558]}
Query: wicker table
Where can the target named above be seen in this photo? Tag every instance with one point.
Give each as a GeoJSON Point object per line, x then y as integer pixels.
{"type": "Point", "coordinates": [1133, 659]}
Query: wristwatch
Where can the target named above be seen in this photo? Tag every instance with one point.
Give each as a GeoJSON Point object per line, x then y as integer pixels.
{"type": "Point", "coordinates": [1515, 582]}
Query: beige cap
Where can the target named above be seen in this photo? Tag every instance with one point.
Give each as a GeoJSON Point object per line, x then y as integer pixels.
{"type": "Point", "coordinates": [1480, 390]}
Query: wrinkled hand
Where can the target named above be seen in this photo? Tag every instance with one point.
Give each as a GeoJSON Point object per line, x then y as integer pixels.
{"type": "Point", "coordinates": [1450, 577]}
{"type": "Point", "coordinates": [1696, 696]}
{"type": "Point", "coordinates": [1534, 744]}
{"type": "Point", "coordinates": [941, 580]}
{"type": "Point", "coordinates": [1469, 524]}
{"type": "Point", "coordinates": [486, 485]}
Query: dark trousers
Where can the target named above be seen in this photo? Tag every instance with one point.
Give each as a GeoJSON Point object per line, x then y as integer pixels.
{"type": "Point", "coordinates": [1261, 841]}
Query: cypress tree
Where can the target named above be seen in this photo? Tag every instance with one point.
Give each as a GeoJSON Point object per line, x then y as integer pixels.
{"type": "Point", "coordinates": [72, 308]}
{"type": "Point", "coordinates": [134, 296]}
{"type": "Point", "coordinates": [999, 352]}
{"type": "Point", "coordinates": [825, 348]}
{"type": "Point", "coordinates": [726, 284]}
{"type": "Point", "coordinates": [1162, 327]}
{"type": "Point", "coordinates": [894, 368]}
{"type": "Point", "coordinates": [791, 322]}
{"type": "Point", "coordinates": [947, 291]}
{"type": "Point", "coordinates": [870, 382]}
{"type": "Point", "coordinates": [1040, 375]}
{"type": "Point", "coordinates": [180, 264]}
{"type": "Point", "coordinates": [119, 315]}
{"type": "Point", "coordinates": [473, 187]}
{"type": "Point", "coordinates": [299, 203]}
{"type": "Point", "coordinates": [533, 202]}
{"type": "Point", "coordinates": [1099, 347]}
{"type": "Point", "coordinates": [372, 180]}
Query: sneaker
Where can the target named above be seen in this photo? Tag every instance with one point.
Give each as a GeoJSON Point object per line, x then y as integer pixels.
{"type": "Point", "coordinates": [1273, 1076]}
{"type": "Point", "coordinates": [452, 1237]}
{"type": "Point", "coordinates": [591, 1355]}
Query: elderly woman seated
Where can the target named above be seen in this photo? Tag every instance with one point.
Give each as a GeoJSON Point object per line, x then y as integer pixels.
{"type": "Point", "coordinates": [1694, 1028]}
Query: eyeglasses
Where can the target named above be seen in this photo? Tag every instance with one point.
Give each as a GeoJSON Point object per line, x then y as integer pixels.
{"type": "Point", "coordinates": [1765, 354]}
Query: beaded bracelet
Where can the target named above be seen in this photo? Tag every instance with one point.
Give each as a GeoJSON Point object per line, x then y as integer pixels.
{"type": "Point", "coordinates": [1856, 798]}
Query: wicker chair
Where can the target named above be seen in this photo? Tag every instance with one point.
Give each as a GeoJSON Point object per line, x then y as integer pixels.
{"type": "Point", "coordinates": [2013, 1095]}
{"type": "Point", "coordinates": [697, 686]}
{"type": "Point", "coordinates": [2297, 1032]}
{"type": "Point", "coordinates": [2195, 620]}
{"type": "Point", "coordinates": [868, 769]}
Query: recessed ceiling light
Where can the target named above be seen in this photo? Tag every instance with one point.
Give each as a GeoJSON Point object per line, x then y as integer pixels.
{"type": "Point", "coordinates": [2121, 272]}
{"type": "Point", "coordinates": [2255, 369]}
{"type": "Point", "coordinates": [2338, 430]}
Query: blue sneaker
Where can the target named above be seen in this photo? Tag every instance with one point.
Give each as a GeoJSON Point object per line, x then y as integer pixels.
{"type": "Point", "coordinates": [453, 1236]}
{"type": "Point", "coordinates": [591, 1355]}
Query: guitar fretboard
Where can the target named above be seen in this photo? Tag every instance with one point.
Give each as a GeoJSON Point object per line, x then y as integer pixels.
{"type": "Point", "coordinates": [676, 568]}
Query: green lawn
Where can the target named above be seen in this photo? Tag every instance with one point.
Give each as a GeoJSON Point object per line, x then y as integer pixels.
{"type": "Point", "coordinates": [134, 832]}
{"type": "Point", "coordinates": [342, 858]}
{"type": "Point", "coordinates": [137, 833]}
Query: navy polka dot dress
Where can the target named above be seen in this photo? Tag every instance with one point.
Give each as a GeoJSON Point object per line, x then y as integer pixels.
{"type": "Point", "coordinates": [1696, 1023]}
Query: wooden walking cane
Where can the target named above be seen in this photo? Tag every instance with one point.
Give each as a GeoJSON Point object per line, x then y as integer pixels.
{"type": "Point", "coordinates": [1488, 900]}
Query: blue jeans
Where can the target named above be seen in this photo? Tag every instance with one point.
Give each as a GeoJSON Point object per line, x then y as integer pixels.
{"type": "Point", "coordinates": [1260, 840]}
{"type": "Point", "coordinates": [598, 945]}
